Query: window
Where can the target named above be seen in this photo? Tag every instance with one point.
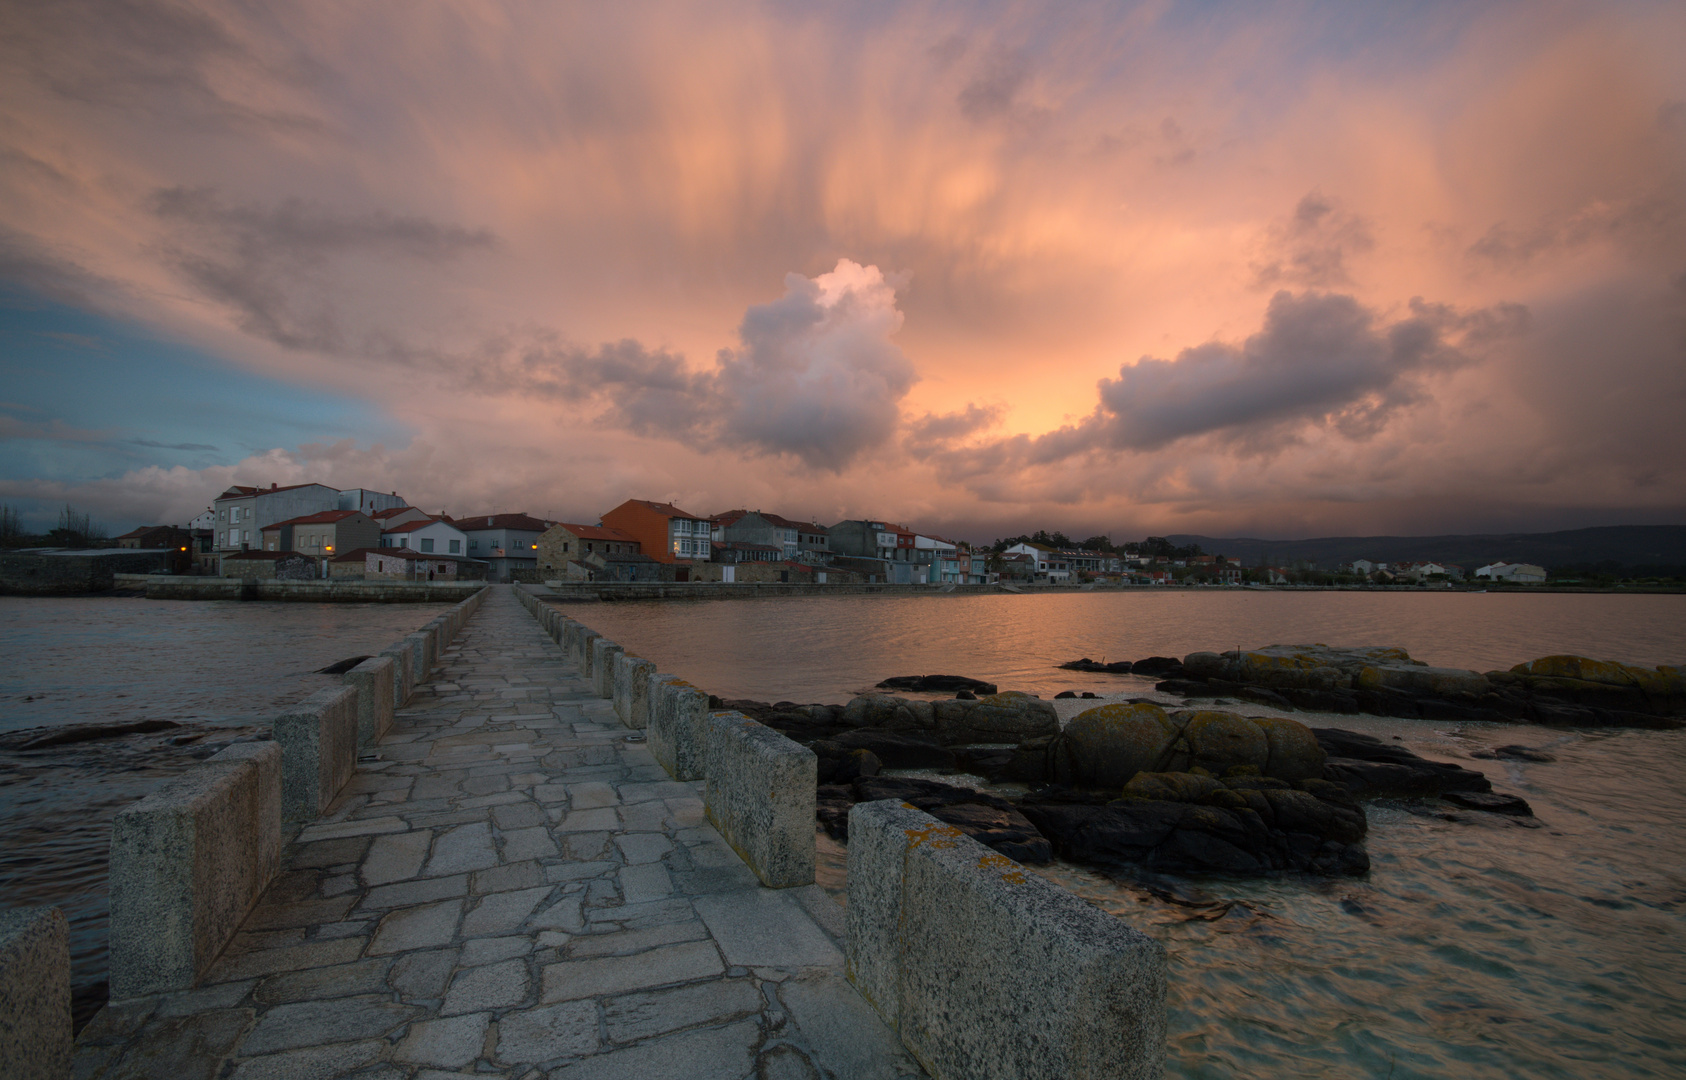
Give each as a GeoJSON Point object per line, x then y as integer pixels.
{"type": "Point", "coordinates": [564, 547]}
{"type": "Point", "coordinates": [456, 546]}
{"type": "Point", "coordinates": [473, 545]}
{"type": "Point", "coordinates": [427, 545]}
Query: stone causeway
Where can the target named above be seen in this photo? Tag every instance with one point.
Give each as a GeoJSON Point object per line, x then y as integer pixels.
{"type": "Point", "coordinates": [513, 890]}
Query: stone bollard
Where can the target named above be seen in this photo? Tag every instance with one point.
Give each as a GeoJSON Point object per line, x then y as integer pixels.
{"type": "Point", "coordinates": [188, 862]}
{"type": "Point", "coordinates": [571, 642]}
{"type": "Point", "coordinates": [760, 794]}
{"type": "Point", "coordinates": [403, 673]}
{"type": "Point", "coordinates": [588, 646]}
{"type": "Point", "coordinates": [631, 691]}
{"type": "Point", "coordinates": [35, 1042]}
{"type": "Point", "coordinates": [318, 738]}
{"type": "Point", "coordinates": [678, 720]}
{"type": "Point", "coordinates": [603, 653]}
{"type": "Point", "coordinates": [989, 971]}
{"type": "Point", "coordinates": [373, 681]}
{"type": "Point", "coordinates": [421, 657]}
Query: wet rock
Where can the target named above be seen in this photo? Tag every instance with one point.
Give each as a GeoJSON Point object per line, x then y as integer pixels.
{"type": "Point", "coordinates": [342, 666]}
{"type": "Point", "coordinates": [1117, 667]}
{"type": "Point", "coordinates": [965, 695]}
{"type": "Point", "coordinates": [1492, 802]}
{"type": "Point", "coordinates": [840, 765]}
{"type": "Point", "coordinates": [1064, 695]}
{"type": "Point", "coordinates": [896, 749]}
{"type": "Point", "coordinates": [986, 818]}
{"type": "Point", "coordinates": [1087, 695]}
{"type": "Point", "coordinates": [1186, 822]}
{"type": "Point", "coordinates": [937, 684]}
{"type": "Point", "coordinates": [1158, 667]}
{"type": "Point", "coordinates": [1515, 753]}
{"type": "Point", "coordinates": [1366, 766]}
{"type": "Point", "coordinates": [81, 733]}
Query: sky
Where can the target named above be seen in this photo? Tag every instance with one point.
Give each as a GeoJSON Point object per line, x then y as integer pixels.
{"type": "Point", "coordinates": [1278, 270]}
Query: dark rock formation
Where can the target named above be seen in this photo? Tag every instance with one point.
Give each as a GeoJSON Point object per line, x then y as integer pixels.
{"type": "Point", "coordinates": [1387, 682]}
{"type": "Point", "coordinates": [1188, 822]}
{"type": "Point", "coordinates": [988, 819]}
{"type": "Point", "coordinates": [1514, 753]}
{"type": "Point", "coordinates": [937, 684]}
{"type": "Point", "coordinates": [1492, 802]}
{"type": "Point", "coordinates": [1158, 667]}
{"type": "Point", "coordinates": [1366, 766]}
{"type": "Point", "coordinates": [342, 666]}
{"type": "Point", "coordinates": [1117, 667]}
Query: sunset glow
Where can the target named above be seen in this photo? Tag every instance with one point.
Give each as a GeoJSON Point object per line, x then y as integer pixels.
{"type": "Point", "coordinates": [1283, 271]}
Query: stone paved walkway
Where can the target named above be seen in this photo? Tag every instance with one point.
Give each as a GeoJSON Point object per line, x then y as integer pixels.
{"type": "Point", "coordinates": [512, 891]}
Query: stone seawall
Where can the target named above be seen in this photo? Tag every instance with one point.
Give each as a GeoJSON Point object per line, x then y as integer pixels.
{"type": "Point", "coordinates": [982, 969]}
{"type": "Point", "coordinates": [165, 587]}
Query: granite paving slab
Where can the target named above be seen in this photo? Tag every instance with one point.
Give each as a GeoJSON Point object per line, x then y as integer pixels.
{"type": "Point", "coordinates": [515, 891]}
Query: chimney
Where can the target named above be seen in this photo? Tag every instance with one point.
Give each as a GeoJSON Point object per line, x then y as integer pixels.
{"type": "Point", "coordinates": [272, 487]}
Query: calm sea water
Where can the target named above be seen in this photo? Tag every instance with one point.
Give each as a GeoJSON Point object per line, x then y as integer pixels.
{"type": "Point", "coordinates": [220, 669]}
{"type": "Point", "coordinates": [1476, 946]}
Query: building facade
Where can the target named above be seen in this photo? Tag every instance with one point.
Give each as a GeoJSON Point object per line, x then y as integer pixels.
{"type": "Point", "coordinates": [663, 531]}
{"type": "Point", "coordinates": [323, 535]}
{"type": "Point", "coordinates": [430, 537]}
{"type": "Point", "coordinates": [504, 542]}
{"type": "Point", "coordinates": [242, 512]}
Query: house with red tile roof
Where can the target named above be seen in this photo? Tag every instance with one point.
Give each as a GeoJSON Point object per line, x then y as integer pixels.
{"type": "Point", "coordinates": [322, 534]}
{"type": "Point", "coordinates": [434, 536]}
{"type": "Point", "coordinates": [566, 542]}
{"type": "Point", "coordinates": [663, 531]}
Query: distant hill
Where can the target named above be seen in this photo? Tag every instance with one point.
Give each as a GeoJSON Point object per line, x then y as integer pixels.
{"type": "Point", "coordinates": [1635, 546]}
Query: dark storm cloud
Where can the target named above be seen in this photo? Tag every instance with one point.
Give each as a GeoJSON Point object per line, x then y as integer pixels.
{"type": "Point", "coordinates": [1310, 249]}
{"type": "Point", "coordinates": [940, 429]}
{"type": "Point", "coordinates": [1320, 358]}
{"type": "Point", "coordinates": [274, 265]}
{"type": "Point", "coordinates": [154, 58]}
{"type": "Point", "coordinates": [990, 92]}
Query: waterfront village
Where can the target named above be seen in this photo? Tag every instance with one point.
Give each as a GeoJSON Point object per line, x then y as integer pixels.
{"type": "Point", "coordinates": [311, 531]}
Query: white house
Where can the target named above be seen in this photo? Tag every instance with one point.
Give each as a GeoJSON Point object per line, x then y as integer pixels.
{"type": "Point", "coordinates": [1503, 571]}
{"type": "Point", "coordinates": [1050, 564]}
{"type": "Point", "coordinates": [430, 537]}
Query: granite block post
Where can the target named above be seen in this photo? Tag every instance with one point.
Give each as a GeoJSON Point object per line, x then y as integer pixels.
{"type": "Point", "coordinates": [989, 971]}
{"type": "Point", "coordinates": [678, 721]}
{"type": "Point", "coordinates": [603, 653]}
{"type": "Point", "coordinates": [188, 862]}
{"type": "Point", "coordinates": [760, 794]}
{"type": "Point", "coordinates": [631, 690]}
{"type": "Point", "coordinates": [373, 681]}
{"type": "Point", "coordinates": [318, 738]}
{"type": "Point", "coordinates": [421, 656]}
{"type": "Point", "coordinates": [588, 648]}
{"type": "Point", "coordinates": [35, 1042]}
{"type": "Point", "coordinates": [403, 672]}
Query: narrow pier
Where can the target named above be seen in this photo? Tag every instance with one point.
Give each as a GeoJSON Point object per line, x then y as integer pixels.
{"type": "Point", "coordinates": [512, 890]}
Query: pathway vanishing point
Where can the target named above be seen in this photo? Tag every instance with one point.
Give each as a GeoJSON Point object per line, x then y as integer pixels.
{"type": "Point", "coordinates": [514, 891]}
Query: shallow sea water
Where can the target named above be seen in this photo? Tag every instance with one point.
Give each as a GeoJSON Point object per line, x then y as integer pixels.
{"type": "Point", "coordinates": [1476, 946]}
{"type": "Point", "coordinates": [220, 669]}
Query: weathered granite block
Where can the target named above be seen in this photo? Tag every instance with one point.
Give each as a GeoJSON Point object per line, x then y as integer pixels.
{"type": "Point", "coordinates": [588, 643]}
{"type": "Point", "coordinates": [987, 970]}
{"type": "Point", "coordinates": [631, 691]}
{"type": "Point", "coordinates": [760, 795]}
{"type": "Point", "coordinates": [403, 671]}
{"type": "Point", "coordinates": [373, 681]}
{"type": "Point", "coordinates": [678, 719]}
{"type": "Point", "coordinates": [603, 653]}
{"type": "Point", "coordinates": [34, 994]}
{"type": "Point", "coordinates": [318, 738]}
{"type": "Point", "coordinates": [571, 642]}
{"type": "Point", "coordinates": [188, 862]}
{"type": "Point", "coordinates": [421, 655]}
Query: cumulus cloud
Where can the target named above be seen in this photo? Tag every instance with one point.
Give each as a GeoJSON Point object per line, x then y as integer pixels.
{"type": "Point", "coordinates": [1321, 358]}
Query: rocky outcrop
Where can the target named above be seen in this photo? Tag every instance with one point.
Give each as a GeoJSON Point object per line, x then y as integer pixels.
{"type": "Point", "coordinates": [937, 684]}
{"type": "Point", "coordinates": [1009, 717]}
{"type": "Point", "coordinates": [986, 818]}
{"type": "Point", "coordinates": [1366, 766]}
{"type": "Point", "coordinates": [1387, 682]}
{"type": "Point", "coordinates": [1117, 667]}
{"type": "Point", "coordinates": [1241, 823]}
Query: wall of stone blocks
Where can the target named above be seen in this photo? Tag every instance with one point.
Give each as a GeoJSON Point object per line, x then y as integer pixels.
{"type": "Point", "coordinates": [631, 691]}
{"type": "Point", "coordinates": [987, 970]}
{"type": "Point", "coordinates": [188, 862]}
{"type": "Point", "coordinates": [35, 1022]}
{"type": "Point", "coordinates": [759, 791]}
{"type": "Point", "coordinates": [318, 738]}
